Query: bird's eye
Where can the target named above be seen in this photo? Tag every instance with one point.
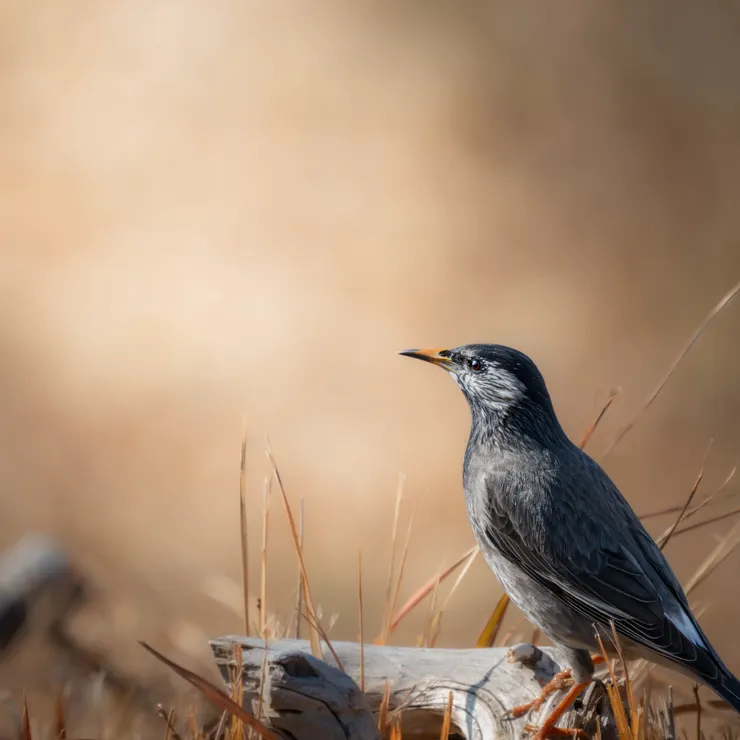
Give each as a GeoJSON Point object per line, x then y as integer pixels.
{"type": "Point", "coordinates": [475, 365]}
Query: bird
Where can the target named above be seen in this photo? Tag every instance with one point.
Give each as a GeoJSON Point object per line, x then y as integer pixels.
{"type": "Point", "coordinates": [562, 540]}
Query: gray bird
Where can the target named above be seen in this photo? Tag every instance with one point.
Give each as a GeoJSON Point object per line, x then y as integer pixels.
{"type": "Point", "coordinates": [562, 540]}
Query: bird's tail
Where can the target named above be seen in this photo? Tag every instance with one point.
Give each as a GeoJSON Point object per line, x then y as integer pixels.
{"type": "Point", "coordinates": [728, 687]}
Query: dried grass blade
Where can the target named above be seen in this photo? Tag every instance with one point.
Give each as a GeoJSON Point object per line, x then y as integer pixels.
{"type": "Point", "coordinates": [426, 635]}
{"type": "Point", "coordinates": [243, 525]}
{"type": "Point", "coordinates": [313, 634]}
{"type": "Point", "coordinates": [316, 624]}
{"type": "Point", "coordinates": [702, 327]}
{"type": "Point", "coordinates": [711, 520]}
{"type": "Point", "coordinates": [664, 539]}
{"type": "Point", "coordinates": [424, 591]}
{"type": "Point", "coordinates": [467, 565]}
{"type": "Point", "coordinates": [60, 724]}
{"type": "Point", "coordinates": [214, 694]}
{"type": "Point", "coordinates": [362, 623]}
{"type": "Point", "coordinates": [595, 423]}
{"type": "Point", "coordinates": [437, 620]}
{"type": "Point", "coordinates": [25, 720]}
{"type": "Point", "coordinates": [488, 636]}
{"type": "Point", "coordinates": [723, 549]}
{"type": "Point", "coordinates": [447, 719]}
{"type": "Point", "coordinates": [620, 716]}
{"type": "Point", "coordinates": [169, 718]}
{"type": "Point", "coordinates": [395, 729]}
{"type": "Point", "coordinates": [384, 704]}
{"type": "Point", "coordinates": [627, 682]}
{"type": "Point", "coordinates": [698, 711]}
{"type": "Point", "coordinates": [399, 575]}
{"type": "Point", "coordinates": [388, 611]}
{"type": "Point", "coordinates": [263, 561]}
{"type": "Point", "coordinates": [299, 593]}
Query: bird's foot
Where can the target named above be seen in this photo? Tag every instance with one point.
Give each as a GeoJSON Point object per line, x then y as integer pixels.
{"type": "Point", "coordinates": [547, 729]}
{"type": "Point", "coordinates": [557, 732]}
{"type": "Point", "coordinates": [559, 681]}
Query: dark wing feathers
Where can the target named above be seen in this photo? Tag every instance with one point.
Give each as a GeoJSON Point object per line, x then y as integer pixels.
{"type": "Point", "coordinates": [619, 575]}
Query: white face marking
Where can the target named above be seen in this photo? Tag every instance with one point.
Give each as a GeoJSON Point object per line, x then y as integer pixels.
{"type": "Point", "coordinates": [495, 387]}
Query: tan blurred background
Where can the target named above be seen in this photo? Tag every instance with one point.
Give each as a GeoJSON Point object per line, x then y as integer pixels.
{"type": "Point", "coordinates": [238, 212]}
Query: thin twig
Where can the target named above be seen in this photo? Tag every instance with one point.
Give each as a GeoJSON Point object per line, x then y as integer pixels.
{"type": "Point", "coordinates": [702, 327]}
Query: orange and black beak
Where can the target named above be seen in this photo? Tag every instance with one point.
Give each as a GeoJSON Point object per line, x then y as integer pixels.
{"type": "Point", "coordinates": [440, 357]}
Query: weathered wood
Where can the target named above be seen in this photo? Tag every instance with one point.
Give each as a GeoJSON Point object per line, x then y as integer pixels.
{"type": "Point", "coordinates": [307, 699]}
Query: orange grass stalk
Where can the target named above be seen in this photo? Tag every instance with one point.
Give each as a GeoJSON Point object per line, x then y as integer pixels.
{"type": "Point", "coordinates": [447, 719]}
{"type": "Point", "coordinates": [488, 636]}
{"type": "Point", "coordinates": [424, 591]}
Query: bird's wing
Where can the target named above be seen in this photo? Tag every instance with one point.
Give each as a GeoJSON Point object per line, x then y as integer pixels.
{"type": "Point", "coordinates": [608, 569]}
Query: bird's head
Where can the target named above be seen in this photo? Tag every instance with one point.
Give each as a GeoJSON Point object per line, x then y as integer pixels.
{"type": "Point", "coordinates": [495, 379]}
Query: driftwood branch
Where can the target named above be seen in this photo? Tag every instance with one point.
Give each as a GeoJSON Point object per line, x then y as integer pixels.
{"type": "Point", "coordinates": [306, 699]}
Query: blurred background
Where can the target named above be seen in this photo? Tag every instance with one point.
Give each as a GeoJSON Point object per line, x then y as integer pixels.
{"type": "Point", "coordinates": [230, 215]}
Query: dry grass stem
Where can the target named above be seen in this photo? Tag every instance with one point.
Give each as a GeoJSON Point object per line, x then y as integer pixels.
{"type": "Point", "coordinates": [418, 596]}
{"type": "Point", "coordinates": [299, 593]}
{"type": "Point", "coordinates": [316, 624]}
{"type": "Point", "coordinates": [702, 327]}
{"type": "Point", "coordinates": [447, 719]}
{"type": "Point", "coordinates": [595, 423]}
{"type": "Point", "coordinates": [720, 553]}
{"type": "Point", "coordinates": [214, 695]}
{"type": "Point", "coordinates": [665, 538]}
{"type": "Point", "coordinates": [243, 524]}
{"type": "Point", "coordinates": [623, 725]}
{"type": "Point", "coordinates": [698, 711]}
{"type": "Point", "coordinates": [437, 620]}
{"type": "Point", "coordinates": [712, 520]}
{"type": "Point", "coordinates": [384, 705]}
{"type": "Point", "coordinates": [263, 560]}
{"type": "Point", "coordinates": [488, 636]}
{"type": "Point", "coordinates": [362, 623]}
{"type": "Point", "coordinates": [313, 633]}
{"type": "Point", "coordinates": [388, 612]}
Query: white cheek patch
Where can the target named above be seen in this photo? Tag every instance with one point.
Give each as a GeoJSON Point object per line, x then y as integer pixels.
{"type": "Point", "coordinates": [509, 388]}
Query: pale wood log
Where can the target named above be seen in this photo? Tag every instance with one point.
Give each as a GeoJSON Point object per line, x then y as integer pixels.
{"type": "Point", "coordinates": [307, 699]}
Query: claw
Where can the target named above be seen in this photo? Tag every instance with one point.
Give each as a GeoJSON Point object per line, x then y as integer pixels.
{"type": "Point", "coordinates": [559, 681]}
{"type": "Point", "coordinates": [547, 728]}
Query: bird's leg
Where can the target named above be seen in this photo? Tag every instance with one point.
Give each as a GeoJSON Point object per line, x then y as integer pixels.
{"type": "Point", "coordinates": [547, 728]}
{"type": "Point", "coordinates": [559, 681]}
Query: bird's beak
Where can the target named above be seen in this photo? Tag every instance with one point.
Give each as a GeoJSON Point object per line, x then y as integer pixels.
{"type": "Point", "coordinates": [434, 356]}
